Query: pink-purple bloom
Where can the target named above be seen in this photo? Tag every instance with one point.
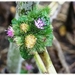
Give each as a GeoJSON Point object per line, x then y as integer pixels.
{"type": "Point", "coordinates": [39, 23]}
{"type": "Point", "coordinates": [28, 67]}
{"type": "Point", "coordinates": [10, 32]}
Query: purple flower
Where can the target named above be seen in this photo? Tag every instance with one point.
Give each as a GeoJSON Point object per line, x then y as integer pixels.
{"type": "Point", "coordinates": [10, 32]}
{"type": "Point", "coordinates": [39, 23]}
{"type": "Point", "coordinates": [28, 67]}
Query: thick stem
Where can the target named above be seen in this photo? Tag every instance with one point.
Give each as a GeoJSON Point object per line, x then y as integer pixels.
{"type": "Point", "coordinates": [13, 61]}
{"type": "Point", "coordinates": [47, 61]}
{"type": "Point", "coordinates": [39, 63]}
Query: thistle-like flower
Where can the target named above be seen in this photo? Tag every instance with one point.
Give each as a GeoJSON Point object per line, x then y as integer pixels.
{"type": "Point", "coordinates": [30, 41]}
{"type": "Point", "coordinates": [39, 23]}
{"type": "Point", "coordinates": [24, 27]}
{"type": "Point", "coordinates": [10, 32]}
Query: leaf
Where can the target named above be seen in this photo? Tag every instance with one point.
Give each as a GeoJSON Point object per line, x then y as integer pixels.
{"type": "Point", "coordinates": [22, 18]}
{"type": "Point", "coordinates": [49, 40]}
{"type": "Point", "coordinates": [14, 21]}
{"type": "Point", "coordinates": [16, 29]}
{"type": "Point", "coordinates": [24, 53]}
{"type": "Point", "coordinates": [45, 11]}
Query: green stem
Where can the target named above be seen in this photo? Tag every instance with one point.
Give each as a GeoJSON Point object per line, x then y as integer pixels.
{"type": "Point", "coordinates": [47, 62]}
{"type": "Point", "coordinates": [39, 63]}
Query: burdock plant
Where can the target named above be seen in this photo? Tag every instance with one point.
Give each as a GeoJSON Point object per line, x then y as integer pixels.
{"type": "Point", "coordinates": [33, 33]}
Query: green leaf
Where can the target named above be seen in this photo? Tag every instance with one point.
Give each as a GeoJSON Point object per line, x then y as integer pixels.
{"type": "Point", "coordinates": [24, 53]}
{"type": "Point", "coordinates": [49, 40]}
{"type": "Point", "coordinates": [16, 29]}
{"type": "Point", "coordinates": [22, 18]}
{"type": "Point", "coordinates": [14, 21]}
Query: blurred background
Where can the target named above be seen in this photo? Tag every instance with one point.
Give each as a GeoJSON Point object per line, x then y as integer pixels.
{"type": "Point", "coordinates": [63, 21]}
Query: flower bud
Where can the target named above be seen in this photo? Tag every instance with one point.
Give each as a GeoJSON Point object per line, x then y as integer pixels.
{"type": "Point", "coordinates": [24, 27]}
{"type": "Point", "coordinates": [30, 41]}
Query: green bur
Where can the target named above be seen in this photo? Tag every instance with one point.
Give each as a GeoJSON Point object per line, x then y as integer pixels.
{"type": "Point", "coordinates": [44, 38]}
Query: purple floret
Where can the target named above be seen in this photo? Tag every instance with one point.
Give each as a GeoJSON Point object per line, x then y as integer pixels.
{"type": "Point", "coordinates": [10, 32]}
{"type": "Point", "coordinates": [39, 24]}
{"type": "Point", "coordinates": [28, 67]}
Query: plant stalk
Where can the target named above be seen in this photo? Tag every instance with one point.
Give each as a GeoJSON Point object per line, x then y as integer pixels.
{"type": "Point", "coordinates": [40, 63]}
{"type": "Point", "coordinates": [47, 62]}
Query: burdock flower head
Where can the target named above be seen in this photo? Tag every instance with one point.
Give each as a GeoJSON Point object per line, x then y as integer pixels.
{"type": "Point", "coordinates": [24, 27]}
{"type": "Point", "coordinates": [30, 41]}
{"type": "Point", "coordinates": [39, 23]}
{"type": "Point", "coordinates": [10, 32]}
